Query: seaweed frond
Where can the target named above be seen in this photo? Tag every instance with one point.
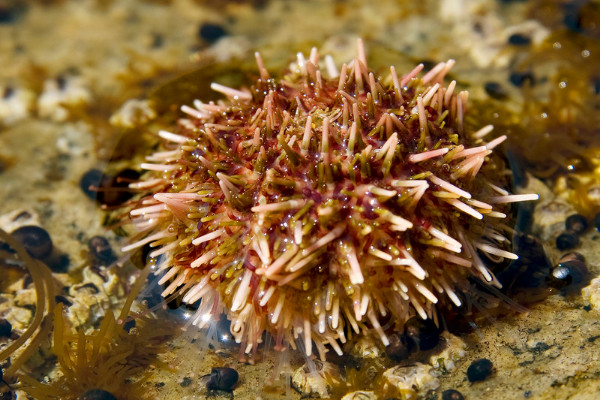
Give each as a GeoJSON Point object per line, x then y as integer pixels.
{"type": "Point", "coordinates": [109, 357]}
{"type": "Point", "coordinates": [22, 348]}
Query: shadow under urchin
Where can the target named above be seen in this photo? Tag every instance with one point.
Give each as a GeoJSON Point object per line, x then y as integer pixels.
{"type": "Point", "coordinates": [325, 203]}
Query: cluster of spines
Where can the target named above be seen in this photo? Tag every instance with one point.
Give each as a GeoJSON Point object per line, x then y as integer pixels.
{"type": "Point", "coordinates": [316, 206]}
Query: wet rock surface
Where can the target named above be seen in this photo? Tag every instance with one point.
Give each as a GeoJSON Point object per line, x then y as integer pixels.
{"type": "Point", "coordinates": [56, 125]}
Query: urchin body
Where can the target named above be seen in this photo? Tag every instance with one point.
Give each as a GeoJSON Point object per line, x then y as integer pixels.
{"type": "Point", "coordinates": [315, 207]}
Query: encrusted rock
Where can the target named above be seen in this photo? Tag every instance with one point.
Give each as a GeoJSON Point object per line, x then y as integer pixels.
{"type": "Point", "coordinates": [593, 194]}
{"type": "Point", "coordinates": [18, 218]}
{"type": "Point", "coordinates": [15, 104]}
{"type": "Point", "coordinates": [411, 380]}
{"type": "Point", "coordinates": [19, 317]}
{"type": "Point", "coordinates": [360, 395]}
{"type": "Point", "coordinates": [91, 296]}
{"type": "Point", "coordinates": [549, 218]}
{"type": "Point", "coordinates": [317, 378]}
{"type": "Point", "coordinates": [591, 293]}
{"type": "Point", "coordinates": [74, 140]}
{"type": "Point", "coordinates": [228, 48]}
{"type": "Point", "coordinates": [60, 95]}
{"type": "Point", "coordinates": [132, 114]}
{"type": "Point", "coordinates": [366, 347]}
{"type": "Point", "coordinates": [25, 297]}
{"type": "Point", "coordinates": [454, 350]}
{"type": "Point", "coordinates": [533, 29]}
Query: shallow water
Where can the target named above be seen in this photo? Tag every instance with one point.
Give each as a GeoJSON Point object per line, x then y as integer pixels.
{"type": "Point", "coordinates": [69, 66]}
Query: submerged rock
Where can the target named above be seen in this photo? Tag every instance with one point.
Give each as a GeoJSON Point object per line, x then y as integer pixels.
{"type": "Point", "coordinates": [410, 380]}
{"type": "Point", "coordinates": [318, 379]}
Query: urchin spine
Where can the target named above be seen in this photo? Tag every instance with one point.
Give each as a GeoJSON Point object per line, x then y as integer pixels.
{"type": "Point", "coordinates": [312, 207]}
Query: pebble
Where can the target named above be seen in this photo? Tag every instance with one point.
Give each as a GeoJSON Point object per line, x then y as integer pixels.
{"type": "Point", "coordinates": [480, 370]}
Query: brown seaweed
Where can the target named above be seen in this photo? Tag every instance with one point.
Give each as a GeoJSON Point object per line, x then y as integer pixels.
{"type": "Point", "coordinates": [22, 348]}
{"type": "Point", "coordinates": [109, 357]}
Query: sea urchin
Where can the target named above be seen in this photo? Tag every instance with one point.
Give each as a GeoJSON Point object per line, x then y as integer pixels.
{"type": "Point", "coordinates": [322, 204]}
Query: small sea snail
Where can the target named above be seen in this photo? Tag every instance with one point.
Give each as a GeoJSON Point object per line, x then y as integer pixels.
{"type": "Point", "coordinates": [222, 378]}
{"type": "Point", "coordinates": [97, 394]}
{"type": "Point", "coordinates": [480, 370]}
{"type": "Point", "coordinates": [35, 239]}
